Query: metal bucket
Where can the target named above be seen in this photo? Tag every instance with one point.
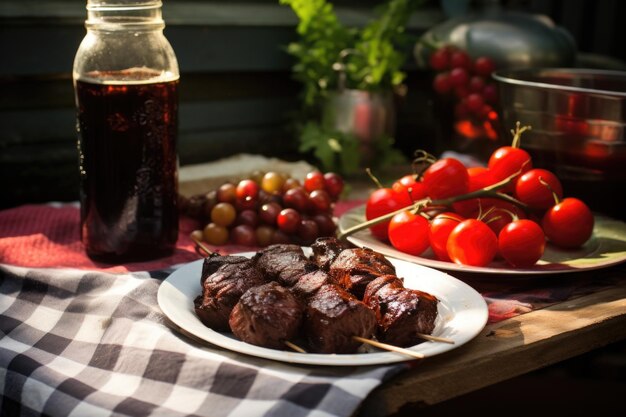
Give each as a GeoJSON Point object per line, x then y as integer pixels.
{"type": "Point", "coordinates": [368, 116]}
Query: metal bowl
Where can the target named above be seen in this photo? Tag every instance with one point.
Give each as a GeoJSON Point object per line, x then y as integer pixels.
{"type": "Point", "coordinates": [578, 119]}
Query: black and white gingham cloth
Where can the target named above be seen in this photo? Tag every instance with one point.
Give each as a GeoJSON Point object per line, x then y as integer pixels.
{"type": "Point", "coordinates": [76, 343]}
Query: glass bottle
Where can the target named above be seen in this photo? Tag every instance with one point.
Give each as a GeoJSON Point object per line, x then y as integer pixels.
{"type": "Point", "coordinates": [126, 88]}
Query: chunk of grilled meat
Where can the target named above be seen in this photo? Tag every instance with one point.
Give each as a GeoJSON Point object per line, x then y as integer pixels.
{"type": "Point", "coordinates": [326, 250]}
{"type": "Point", "coordinates": [333, 316]}
{"type": "Point", "coordinates": [354, 268]}
{"type": "Point", "coordinates": [284, 263]}
{"type": "Point", "coordinates": [369, 297]}
{"type": "Point", "coordinates": [309, 283]}
{"type": "Point", "coordinates": [215, 260]}
{"type": "Point", "coordinates": [222, 290]}
{"type": "Point", "coordinates": [401, 313]}
{"type": "Point", "coordinates": [267, 315]}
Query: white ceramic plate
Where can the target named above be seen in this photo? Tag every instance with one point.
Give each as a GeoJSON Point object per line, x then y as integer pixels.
{"type": "Point", "coordinates": [606, 247]}
{"type": "Point", "coordinates": [462, 315]}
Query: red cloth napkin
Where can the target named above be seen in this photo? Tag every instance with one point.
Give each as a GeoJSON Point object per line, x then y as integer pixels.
{"type": "Point", "coordinates": [47, 236]}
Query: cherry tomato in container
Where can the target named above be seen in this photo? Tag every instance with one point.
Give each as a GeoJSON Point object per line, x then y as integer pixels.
{"type": "Point", "coordinates": [521, 243]}
{"type": "Point", "coordinates": [384, 201]}
{"type": "Point", "coordinates": [408, 233]}
{"type": "Point", "coordinates": [530, 189]}
{"type": "Point", "coordinates": [440, 228]}
{"type": "Point", "coordinates": [445, 178]}
{"type": "Point", "coordinates": [568, 224]}
{"type": "Point", "coordinates": [472, 243]}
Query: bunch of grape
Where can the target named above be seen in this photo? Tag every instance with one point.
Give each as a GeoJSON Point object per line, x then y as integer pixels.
{"type": "Point", "coordinates": [267, 208]}
{"type": "Point", "coordinates": [468, 83]}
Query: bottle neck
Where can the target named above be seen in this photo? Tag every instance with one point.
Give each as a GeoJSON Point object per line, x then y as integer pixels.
{"type": "Point", "coordinates": [122, 15]}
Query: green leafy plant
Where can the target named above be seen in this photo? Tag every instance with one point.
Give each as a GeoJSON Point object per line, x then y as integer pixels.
{"type": "Point", "coordinates": [330, 56]}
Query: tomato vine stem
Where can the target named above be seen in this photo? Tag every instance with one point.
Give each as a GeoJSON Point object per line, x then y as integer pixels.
{"type": "Point", "coordinates": [419, 205]}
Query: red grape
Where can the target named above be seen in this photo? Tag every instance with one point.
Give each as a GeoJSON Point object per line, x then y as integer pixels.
{"type": "Point", "coordinates": [296, 198]}
{"type": "Point", "coordinates": [320, 201]}
{"type": "Point", "coordinates": [333, 184]}
{"type": "Point", "coordinates": [249, 217]}
{"type": "Point", "coordinates": [314, 181]}
{"type": "Point", "coordinates": [243, 235]}
{"type": "Point", "coordinates": [247, 190]}
{"type": "Point", "coordinates": [288, 220]}
{"type": "Point", "coordinates": [326, 224]}
{"type": "Point", "coordinates": [308, 231]}
{"type": "Point", "coordinates": [268, 213]}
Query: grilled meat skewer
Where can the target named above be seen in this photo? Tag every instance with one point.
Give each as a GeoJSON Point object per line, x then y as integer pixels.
{"type": "Point", "coordinates": [284, 263]}
{"type": "Point", "coordinates": [222, 290]}
{"type": "Point", "coordinates": [267, 315]}
{"type": "Point", "coordinates": [354, 268]}
{"type": "Point", "coordinates": [333, 316]}
{"type": "Point", "coordinates": [402, 314]}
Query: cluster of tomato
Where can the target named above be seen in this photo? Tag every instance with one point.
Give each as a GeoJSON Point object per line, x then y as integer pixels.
{"type": "Point", "coordinates": [470, 216]}
{"type": "Point", "coordinates": [267, 208]}
{"type": "Point", "coordinates": [468, 83]}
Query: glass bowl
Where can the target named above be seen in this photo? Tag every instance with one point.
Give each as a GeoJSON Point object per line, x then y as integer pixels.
{"type": "Point", "coordinates": [578, 119]}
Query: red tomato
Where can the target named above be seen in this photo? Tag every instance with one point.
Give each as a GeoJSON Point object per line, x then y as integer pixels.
{"type": "Point", "coordinates": [408, 233]}
{"type": "Point", "coordinates": [479, 177]}
{"type": "Point", "coordinates": [506, 161]}
{"type": "Point", "coordinates": [409, 186]}
{"type": "Point", "coordinates": [530, 190]}
{"type": "Point", "coordinates": [568, 224]}
{"type": "Point", "coordinates": [521, 243]}
{"type": "Point", "coordinates": [472, 243]}
{"type": "Point", "coordinates": [440, 228]}
{"type": "Point", "coordinates": [381, 202]}
{"type": "Point", "coordinates": [501, 216]}
{"type": "Point", "coordinates": [446, 178]}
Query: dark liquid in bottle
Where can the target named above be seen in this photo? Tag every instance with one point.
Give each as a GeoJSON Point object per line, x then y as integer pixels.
{"type": "Point", "coordinates": [128, 166]}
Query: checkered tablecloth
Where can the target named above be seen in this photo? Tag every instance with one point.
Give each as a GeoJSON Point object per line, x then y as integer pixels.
{"type": "Point", "coordinates": [80, 343]}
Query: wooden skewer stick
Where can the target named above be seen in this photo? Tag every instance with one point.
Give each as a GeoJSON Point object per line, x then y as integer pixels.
{"type": "Point", "coordinates": [202, 246]}
{"type": "Point", "coordinates": [295, 347]}
{"type": "Point", "coordinates": [435, 338]}
{"type": "Point", "coordinates": [391, 348]}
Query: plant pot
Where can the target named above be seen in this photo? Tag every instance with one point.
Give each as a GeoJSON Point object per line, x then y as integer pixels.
{"type": "Point", "coordinates": [368, 116]}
